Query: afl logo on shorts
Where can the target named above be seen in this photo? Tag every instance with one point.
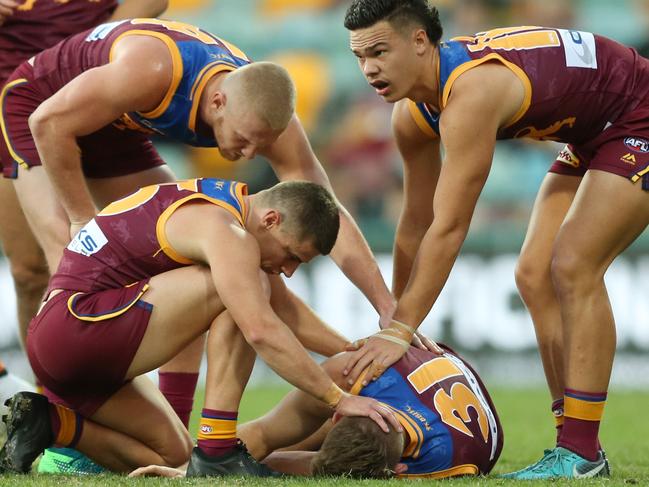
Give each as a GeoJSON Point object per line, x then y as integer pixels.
{"type": "Point", "coordinates": [637, 144]}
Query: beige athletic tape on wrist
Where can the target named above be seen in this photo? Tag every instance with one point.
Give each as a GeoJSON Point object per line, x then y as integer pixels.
{"type": "Point", "coordinates": [399, 341]}
{"type": "Point", "coordinates": [333, 396]}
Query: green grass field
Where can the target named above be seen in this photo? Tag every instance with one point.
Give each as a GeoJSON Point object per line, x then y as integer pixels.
{"type": "Point", "coordinates": [526, 422]}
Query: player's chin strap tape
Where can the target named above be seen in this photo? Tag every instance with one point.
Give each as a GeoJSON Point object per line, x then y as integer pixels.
{"type": "Point", "coordinates": [397, 332]}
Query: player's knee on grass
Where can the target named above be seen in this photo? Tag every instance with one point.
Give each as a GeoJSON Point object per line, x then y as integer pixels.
{"type": "Point", "coordinates": [176, 446]}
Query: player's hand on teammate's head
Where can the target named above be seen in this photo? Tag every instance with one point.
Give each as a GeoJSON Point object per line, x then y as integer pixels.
{"type": "Point", "coordinates": [157, 471]}
{"type": "Point", "coordinates": [376, 355]}
{"type": "Point", "coordinates": [7, 9]}
{"type": "Point", "coordinates": [366, 406]}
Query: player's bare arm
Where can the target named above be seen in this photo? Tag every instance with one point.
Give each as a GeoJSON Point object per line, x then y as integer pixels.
{"type": "Point", "coordinates": [129, 9]}
{"type": "Point", "coordinates": [421, 166]}
{"type": "Point", "coordinates": [136, 79]}
{"type": "Point", "coordinates": [313, 333]}
{"type": "Point", "coordinates": [233, 256]}
{"type": "Point", "coordinates": [468, 127]}
{"type": "Point", "coordinates": [7, 9]}
{"type": "Point", "coordinates": [293, 158]}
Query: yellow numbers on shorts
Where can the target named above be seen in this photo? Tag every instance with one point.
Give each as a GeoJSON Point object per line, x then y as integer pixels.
{"type": "Point", "coordinates": [193, 31]}
{"type": "Point", "coordinates": [513, 38]}
{"type": "Point", "coordinates": [453, 406]}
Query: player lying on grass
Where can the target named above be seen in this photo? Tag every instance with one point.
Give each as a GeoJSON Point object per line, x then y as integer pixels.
{"type": "Point", "coordinates": [200, 253]}
{"type": "Point", "coordinates": [450, 426]}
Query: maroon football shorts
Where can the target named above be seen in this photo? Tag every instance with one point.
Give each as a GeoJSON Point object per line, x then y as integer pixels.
{"type": "Point", "coordinates": [82, 360]}
{"type": "Point", "coordinates": [109, 152]}
{"type": "Point", "coordinates": [622, 149]}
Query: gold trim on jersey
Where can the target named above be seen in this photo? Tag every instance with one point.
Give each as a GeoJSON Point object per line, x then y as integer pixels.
{"type": "Point", "coordinates": [176, 72]}
{"type": "Point", "coordinates": [165, 246]}
{"type": "Point", "coordinates": [130, 202]}
{"type": "Point", "coordinates": [358, 385]}
{"type": "Point", "coordinates": [464, 67]}
{"type": "Point", "coordinates": [107, 315]}
{"type": "Point", "coordinates": [3, 125]}
{"type": "Point", "coordinates": [468, 469]}
{"type": "Point", "coordinates": [206, 74]}
{"type": "Point", "coordinates": [415, 433]}
{"type": "Point", "coordinates": [413, 430]}
{"type": "Point", "coordinates": [420, 120]}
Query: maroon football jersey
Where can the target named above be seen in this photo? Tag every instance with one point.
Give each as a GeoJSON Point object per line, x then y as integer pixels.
{"type": "Point", "coordinates": [39, 24]}
{"type": "Point", "coordinates": [444, 407]}
{"type": "Point", "coordinates": [126, 243]}
{"type": "Point", "coordinates": [576, 83]}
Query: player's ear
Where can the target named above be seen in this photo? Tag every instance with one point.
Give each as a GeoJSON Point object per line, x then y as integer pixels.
{"type": "Point", "coordinates": [271, 218]}
{"type": "Point", "coordinates": [400, 468]}
{"type": "Point", "coordinates": [219, 99]}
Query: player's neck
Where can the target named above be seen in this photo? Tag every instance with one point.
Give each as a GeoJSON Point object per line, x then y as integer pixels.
{"type": "Point", "coordinates": [426, 86]}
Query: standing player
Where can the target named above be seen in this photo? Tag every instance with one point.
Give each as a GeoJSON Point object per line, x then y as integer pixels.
{"type": "Point", "coordinates": [26, 28]}
{"type": "Point", "coordinates": [450, 426]}
{"type": "Point", "coordinates": [138, 283]}
{"type": "Point", "coordinates": [515, 82]}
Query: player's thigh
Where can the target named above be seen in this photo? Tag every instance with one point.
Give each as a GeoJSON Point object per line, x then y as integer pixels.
{"type": "Point", "coordinates": [607, 215]}
{"type": "Point", "coordinates": [44, 213]}
{"type": "Point", "coordinates": [140, 411]}
{"type": "Point", "coordinates": [185, 303]}
{"type": "Point", "coordinates": [550, 208]}
{"type": "Point", "coordinates": [18, 242]}
{"type": "Point", "coordinates": [107, 190]}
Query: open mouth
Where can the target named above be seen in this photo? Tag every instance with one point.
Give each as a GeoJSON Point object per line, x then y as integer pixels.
{"type": "Point", "coordinates": [381, 87]}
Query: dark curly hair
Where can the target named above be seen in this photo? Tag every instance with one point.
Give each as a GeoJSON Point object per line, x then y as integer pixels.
{"type": "Point", "coordinates": [399, 13]}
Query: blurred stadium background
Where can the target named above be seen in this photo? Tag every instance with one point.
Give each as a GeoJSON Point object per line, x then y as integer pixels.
{"type": "Point", "coordinates": [479, 312]}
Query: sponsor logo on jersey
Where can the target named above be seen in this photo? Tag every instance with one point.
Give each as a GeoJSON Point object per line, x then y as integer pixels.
{"type": "Point", "coordinates": [628, 158]}
{"type": "Point", "coordinates": [89, 240]}
{"type": "Point", "coordinates": [101, 31]}
{"type": "Point", "coordinates": [579, 48]}
{"type": "Point", "coordinates": [420, 417]}
{"type": "Point", "coordinates": [636, 144]}
{"type": "Point", "coordinates": [566, 156]}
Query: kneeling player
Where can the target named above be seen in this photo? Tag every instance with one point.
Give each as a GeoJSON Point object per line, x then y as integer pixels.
{"type": "Point", "coordinates": [189, 253]}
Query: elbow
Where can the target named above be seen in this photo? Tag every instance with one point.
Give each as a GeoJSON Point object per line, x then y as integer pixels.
{"type": "Point", "coordinates": [256, 335]}
{"type": "Point", "coordinates": [454, 233]}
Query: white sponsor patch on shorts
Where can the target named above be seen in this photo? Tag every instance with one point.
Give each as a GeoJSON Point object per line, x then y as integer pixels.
{"type": "Point", "coordinates": [89, 240]}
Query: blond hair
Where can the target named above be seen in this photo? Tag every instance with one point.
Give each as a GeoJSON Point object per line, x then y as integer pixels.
{"type": "Point", "coordinates": [265, 89]}
{"type": "Point", "coordinates": [357, 447]}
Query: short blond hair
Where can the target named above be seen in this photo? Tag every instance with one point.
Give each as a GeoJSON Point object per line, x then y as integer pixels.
{"type": "Point", "coordinates": [265, 89]}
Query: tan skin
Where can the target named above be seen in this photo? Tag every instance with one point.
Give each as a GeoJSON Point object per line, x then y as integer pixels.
{"type": "Point", "coordinates": [483, 99]}
{"type": "Point", "coordinates": [573, 248]}
{"type": "Point", "coordinates": [137, 80]}
{"type": "Point", "coordinates": [29, 263]}
{"type": "Point", "coordinates": [227, 277]}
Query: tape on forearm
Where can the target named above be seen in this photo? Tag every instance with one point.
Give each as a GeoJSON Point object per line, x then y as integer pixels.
{"type": "Point", "coordinates": [333, 396]}
{"type": "Point", "coordinates": [401, 325]}
{"type": "Point", "coordinates": [399, 341]}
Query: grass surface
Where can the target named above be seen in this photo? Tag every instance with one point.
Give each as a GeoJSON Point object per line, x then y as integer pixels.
{"type": "Point", "coordinates": [527, 424]}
